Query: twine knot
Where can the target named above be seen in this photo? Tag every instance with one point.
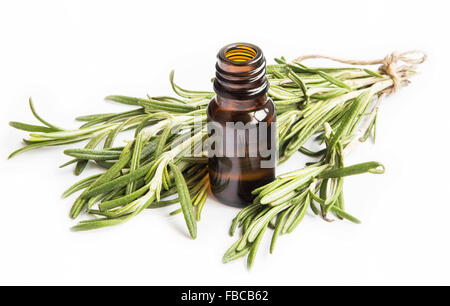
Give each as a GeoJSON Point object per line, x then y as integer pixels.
{"type": "Point", "coordinates": [389, 65]}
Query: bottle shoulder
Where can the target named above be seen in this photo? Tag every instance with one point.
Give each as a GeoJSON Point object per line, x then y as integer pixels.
{"type": "Point", "coordinates": [258, 113]}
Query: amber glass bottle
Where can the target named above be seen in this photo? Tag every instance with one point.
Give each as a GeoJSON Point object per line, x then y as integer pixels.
{"type": "Point", "coordinates": [241, 126]}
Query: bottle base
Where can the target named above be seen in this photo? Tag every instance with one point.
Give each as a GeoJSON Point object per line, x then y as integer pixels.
{"type": "Point", "coordinates": [233, 179]}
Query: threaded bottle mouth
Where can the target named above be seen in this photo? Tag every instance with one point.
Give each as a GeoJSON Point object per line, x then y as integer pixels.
{"type": "Point", "coordinates": [240, 53]}
{"type": "Point", "coordinates": [241, 72]}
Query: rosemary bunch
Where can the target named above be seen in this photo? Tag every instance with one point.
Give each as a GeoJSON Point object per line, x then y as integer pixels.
{"type": "Point", "coordinates": [332, 105]}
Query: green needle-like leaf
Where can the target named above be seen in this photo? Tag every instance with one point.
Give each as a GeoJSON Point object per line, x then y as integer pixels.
{"type": "Point", "coordinates": [185, 200]}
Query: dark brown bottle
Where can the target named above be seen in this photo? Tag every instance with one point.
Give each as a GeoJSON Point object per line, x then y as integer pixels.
{"type": "Point", "coordinates": [241, 126]}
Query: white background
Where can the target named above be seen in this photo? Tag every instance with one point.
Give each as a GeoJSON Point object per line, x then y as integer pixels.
{"type": "Point", "coordinates": [68, 55]}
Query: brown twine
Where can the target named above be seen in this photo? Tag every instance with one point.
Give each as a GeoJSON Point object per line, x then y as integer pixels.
{"type": "Point", "coordinates": [389, 65]}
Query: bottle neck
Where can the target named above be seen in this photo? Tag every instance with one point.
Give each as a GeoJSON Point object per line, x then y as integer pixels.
{"type": "Point", "coordinates": [241, 75]}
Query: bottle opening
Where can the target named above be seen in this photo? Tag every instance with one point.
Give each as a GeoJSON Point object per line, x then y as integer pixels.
{"type": "Point", "coordinates": [240, 53]}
